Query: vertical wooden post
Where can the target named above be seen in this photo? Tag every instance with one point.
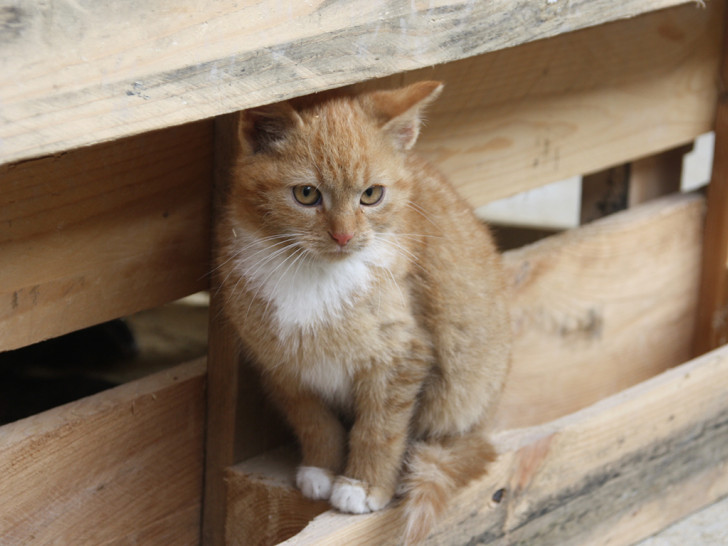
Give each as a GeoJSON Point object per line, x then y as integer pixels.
{"type": "Point", "coordinates": [240, 422]}
{"type": "Point", "coordinates": [712, 321]}
{"type": "Point", "coordinates": [656, 175]}
{"type": "Point", "coordinates": [222, 361]}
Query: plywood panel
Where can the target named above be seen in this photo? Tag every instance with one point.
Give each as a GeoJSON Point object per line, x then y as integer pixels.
{"type": "Point", "coordinates": [123, 466]}
{"type": "Point", "coordinates": [82, 72]}
{"type": "Point", "coordinates": [102, 232]}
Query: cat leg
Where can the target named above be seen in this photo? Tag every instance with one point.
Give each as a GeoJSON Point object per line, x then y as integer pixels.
{"type": "Point", "coordinates": [321, 436]}
{"type": "Point", "coordinates": [385, 401]}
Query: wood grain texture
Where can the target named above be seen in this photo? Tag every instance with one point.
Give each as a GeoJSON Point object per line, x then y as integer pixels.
{"type": "Point", "coordinates": [222, 358]}
{"type": "Point", "coordinates": [264, 507]}
{"type": "Point", "coordinates": [578, 103]}
{"type": "Point", "coordinates": [610, 474]}
{"type": "Point", "coordinates": [79, 73]}
{"type": "Point", "coordinates": [102, 232]}
{"type": "Point", "coordinates": [123, 466]}
{"type": "Point", "coordinates": [711, 329]}
{"type": "Point", "coordinates": [601, 308]}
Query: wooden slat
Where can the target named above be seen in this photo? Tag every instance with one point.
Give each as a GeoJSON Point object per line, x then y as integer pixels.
{"type": "Point", "coordinates": [74, 74]}
{"type": "Point", "coordinates": [222, 357]}
{"type": "Point", "coordinates": [711, 328]}
{"type": "Point", "coordinates": [577, 103]}
{"type": "Point", "coordinates": [610, 474]}
{"type": "Point", "coordinates": [595, 310]}
{"type": "Point", "coordinates": [123, 466]}
{"type": "Point", "coordinates": [264, 507]}
{"type": "Point", "coordinates": [102, 232]}
{"type": "Point", "coordinates": [602, 307]}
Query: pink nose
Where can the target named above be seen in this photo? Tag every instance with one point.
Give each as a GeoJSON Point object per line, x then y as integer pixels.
{"type": "Point", "coordinates": [342, 238]}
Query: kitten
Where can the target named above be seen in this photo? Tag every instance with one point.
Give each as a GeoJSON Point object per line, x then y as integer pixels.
{"type": "Point", "coordinates": [366, 292]}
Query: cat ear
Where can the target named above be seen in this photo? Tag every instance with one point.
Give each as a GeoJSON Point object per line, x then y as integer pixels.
{"type": "Point", "coordinates": [399, 111]}
{"type": "Point", "coordinates": [264, 128]}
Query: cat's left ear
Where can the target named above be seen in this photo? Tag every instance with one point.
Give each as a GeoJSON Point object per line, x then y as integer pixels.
{"type": "Point", "coordinates": [399, 111]}
{"type": "Point", "coordinates": [263, 128]}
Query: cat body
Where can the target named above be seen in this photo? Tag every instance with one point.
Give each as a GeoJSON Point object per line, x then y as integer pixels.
{"type": "Point", "coordinates": [369, 297]}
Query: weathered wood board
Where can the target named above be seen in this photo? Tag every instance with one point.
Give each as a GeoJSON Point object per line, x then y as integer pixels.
{"type": "Point", "coordinates": [123, 466]}
{"type": "Point", "coordinates": [612, 473]}
{"type": "Point", "coordinates": [78, 73]}
{"type": "Point", "coordinates": [711, 327]}
{"type": "Point", "coordinates": [102, 232]}
{"type": "Point", "coordinates": [603, 307]}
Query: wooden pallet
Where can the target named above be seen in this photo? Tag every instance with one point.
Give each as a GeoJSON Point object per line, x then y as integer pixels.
{"type": "Point", "coordinates": [117, 130]}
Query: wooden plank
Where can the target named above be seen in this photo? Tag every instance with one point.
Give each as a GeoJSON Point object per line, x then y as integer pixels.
{"type": "Point", "coordinates": [577, 103]}
{"type": "Point", "coordinates": [74, 74]}
{"type": "Point", "coordinates": [604, 193]}
{"type": "Point", "coordinates": [656, 175]}
{"type": "Point", "coordinates": [264, 506]}
{"type": "Point", "coordinates": [122, 466]}
{"type": "Point", "coordinates": [612, 473]}
{"type": "Point", "coordinates": [240, 422]}
{"type": "Point", "coordinates": [711, 328]}
{"type": "Point", "coordinates": [223, 358]}
{"type": "Point", "coordinates": [102, 232]}
{"type": "Point", "coordinates": [602, 307]}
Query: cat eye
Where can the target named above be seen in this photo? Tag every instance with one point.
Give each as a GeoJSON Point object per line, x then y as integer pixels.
{"type": "Point", "coordinates": [307, 195]}
{"type": "Point", "coordinates": [372, 195]}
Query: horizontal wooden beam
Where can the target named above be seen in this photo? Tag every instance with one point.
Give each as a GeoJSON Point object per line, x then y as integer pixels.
{"type": "Point", "coordinates": [610, 474]}
{"type": "Point", "coordinates": [123, 466]}
{"type": "Point", "coordinates": [74, 74]}
{"type": "Point", "coordinates": [603, 307]}
{"type": "Point", "coordinates": [515, 119]}
{"type": "Point", "coordinates": [102, 232]}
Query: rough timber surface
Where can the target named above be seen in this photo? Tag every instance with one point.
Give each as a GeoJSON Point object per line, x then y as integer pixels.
{"type": "Point", "coordinates": [102, 232]}
{"type": "Point", "coordinates": [78, 73]}
{"type": "Point", "coordinates": [120, 467]}
{"type": "Point", "coordinates": [603, 307]}
{"type": "Point", "coordinates": [576, 103]}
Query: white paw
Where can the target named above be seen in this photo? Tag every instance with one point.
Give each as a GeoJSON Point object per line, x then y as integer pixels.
{"type": "Point", "coordinates": [314, 482]}
{"type": "Point", "coordinates": [351, 496]}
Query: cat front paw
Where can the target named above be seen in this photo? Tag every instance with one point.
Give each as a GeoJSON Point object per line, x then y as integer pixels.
{"type": "Point", "coordinates": [314, 482]}
{"type": "Point", "coordinates": [356, 497]}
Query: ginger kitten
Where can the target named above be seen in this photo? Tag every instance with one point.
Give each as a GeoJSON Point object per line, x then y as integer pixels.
{"type": "Point", "coordinates": [369, 297]}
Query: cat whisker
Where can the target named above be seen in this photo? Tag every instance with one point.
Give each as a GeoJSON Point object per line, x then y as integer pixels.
{"type": "Point", "coordinates": [296, 256]}
{"type": "Point", "coordinates": [271, 273]}
{"type": "Point", "coordinates": [422, 212]}
{"type": "Point", "coordinates": [286, 240]}
{"type": "Point", "coordinates": [253, 269]}
{"type": "Point", "coordinates": [394, 280]}
{"type": "Point", "coordinates": [401, 250]}
{"type": "Point", "coordinates": [254, 241]}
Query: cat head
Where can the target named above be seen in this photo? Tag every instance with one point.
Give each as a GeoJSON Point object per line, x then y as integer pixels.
{"type": "Point", "coordinates": [328, 173]}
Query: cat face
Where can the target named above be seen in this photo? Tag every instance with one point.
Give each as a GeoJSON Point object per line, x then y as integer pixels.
{"type": "Point", "coordinates": [329, 178]}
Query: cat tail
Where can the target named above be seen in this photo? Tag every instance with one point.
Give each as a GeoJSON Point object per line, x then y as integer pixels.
{"type": "Point", "coordinates": [435, 471]}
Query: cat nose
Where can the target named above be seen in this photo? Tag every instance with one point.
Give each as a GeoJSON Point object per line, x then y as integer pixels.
{"type": "Point", "coordinates": [342, 238]}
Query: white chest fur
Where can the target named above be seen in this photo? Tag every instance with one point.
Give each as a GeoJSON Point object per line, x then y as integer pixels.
{"type": "Point", "coordinates": [304, 291]}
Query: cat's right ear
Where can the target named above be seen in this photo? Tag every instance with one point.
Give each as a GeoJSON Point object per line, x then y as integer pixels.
{"type": "Point", "coordinates": [265, 128]}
